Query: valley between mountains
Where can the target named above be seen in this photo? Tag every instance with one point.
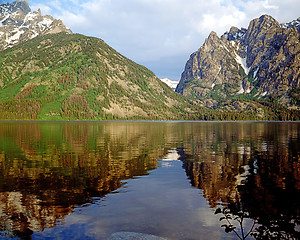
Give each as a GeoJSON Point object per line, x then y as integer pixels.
{"type": "Point", "coordinates": [47, 72]}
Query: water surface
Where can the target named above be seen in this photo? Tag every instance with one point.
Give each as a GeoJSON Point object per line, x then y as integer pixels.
{"type": "Point", "coordinates": [88, 180]}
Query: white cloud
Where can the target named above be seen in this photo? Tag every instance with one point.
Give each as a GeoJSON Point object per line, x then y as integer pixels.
{"type": "Point", "coordinates": [154, 32]}
{"type": "Point", "coordinates": [269, 6]}
{"type": "Point", "coordinates": [45, 9]}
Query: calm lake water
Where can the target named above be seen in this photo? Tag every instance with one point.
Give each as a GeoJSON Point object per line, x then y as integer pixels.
{"type": "Point", "coordinates": [89, 180]}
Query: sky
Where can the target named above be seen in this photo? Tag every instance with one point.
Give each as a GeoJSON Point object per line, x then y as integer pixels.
{"type": "Point", "coordinates": [161, 34]}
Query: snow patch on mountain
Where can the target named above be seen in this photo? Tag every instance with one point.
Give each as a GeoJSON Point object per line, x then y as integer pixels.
{"type": "Point", "coordinates": [295, 23]}
{"type": "Point", "coordinates": [3, 20]}
{"type": "Point", "coordinates": [31, 16]}
{"type": "Point", "coordinates": [18, 24]}
{"type": "Point", "coordinates": [46, 22]}
{"type": "Point", "coordinates": [4, 10]}
{"type": "Point", "coordinates": [242, 62]}
{"type": "Point", "coordinates": [255, 73]}
{"type": "Point", "coordinates": [242, 89]}
{"type": "Point", "coordinates": [170, 83]}
{"type": "Point", "coordinates": [14, 37]}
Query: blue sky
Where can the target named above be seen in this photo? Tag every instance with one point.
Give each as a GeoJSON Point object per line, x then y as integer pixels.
{"type": "Point", "coordinates": [161, 34]}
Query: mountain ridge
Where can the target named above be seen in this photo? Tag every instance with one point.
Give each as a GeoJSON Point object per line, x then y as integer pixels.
{"type": "Point", "coordinates": [19, 24]}
{"type": "Point", "coordinates": [47, 72]}
{"type": "Point", "coordinates": [52, 74]}
{"type": "Point", "coordinates": [258, 62]}
{"type": "Point", "coordinates": [71, 76]}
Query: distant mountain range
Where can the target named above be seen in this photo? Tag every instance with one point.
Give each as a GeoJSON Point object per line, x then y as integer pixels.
{"type": "Point", "coordinates": [47, 72]}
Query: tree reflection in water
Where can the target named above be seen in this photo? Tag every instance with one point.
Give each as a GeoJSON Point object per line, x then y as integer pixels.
{"type": "Point", "coordinates": [47, 169]}
{"type": "Point", "coordinates": [261, 188]}
{"type": "Point", "coordinates": [250, 169]}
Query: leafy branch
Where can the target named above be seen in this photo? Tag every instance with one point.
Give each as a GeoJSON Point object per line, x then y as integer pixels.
{"type": "Point", "coordinates": [228, 216]}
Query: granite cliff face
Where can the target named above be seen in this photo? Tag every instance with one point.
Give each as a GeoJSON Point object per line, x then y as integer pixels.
{"type": "Point", "coordinates": [19, 24]}
{"type": "Point", "coordinates": [258, 62]}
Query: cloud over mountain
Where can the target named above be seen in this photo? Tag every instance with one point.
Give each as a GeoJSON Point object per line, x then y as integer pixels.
{"type": "Point", "coordinates": [151, 31]}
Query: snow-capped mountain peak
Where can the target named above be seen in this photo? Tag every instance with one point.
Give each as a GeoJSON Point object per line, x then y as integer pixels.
{"type": "Point", "coordinates": [294, 23]}
{"type": "Point", "coordinates": [8, 8]}
{"type": "Point", "coordinates": [18, 24]}
{"type": "Point", "coordinates": [170, 83]}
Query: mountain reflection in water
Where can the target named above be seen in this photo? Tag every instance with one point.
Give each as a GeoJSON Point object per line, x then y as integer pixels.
{"type": "Point", "coordinates": [258, 174]}
{"type": "Point", "coordinates": [48, 169]}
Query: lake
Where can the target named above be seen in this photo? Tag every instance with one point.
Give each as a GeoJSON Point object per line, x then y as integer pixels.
{"type": "Point", "coordinates": [173, 180]}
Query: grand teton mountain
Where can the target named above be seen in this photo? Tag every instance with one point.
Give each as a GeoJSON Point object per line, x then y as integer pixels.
{"type": "Point", "coordinates": [255, 63]}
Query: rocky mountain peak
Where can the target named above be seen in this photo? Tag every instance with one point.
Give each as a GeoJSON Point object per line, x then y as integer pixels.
{"type": "Point", "coordinates": [294, 23]}
{"type": "Point", "coordinates": [235, 34]}
{"type": "Point", "coordinates": [18, 24]}
{"type": "Point", "coordinates": [212, 36]}
{"type": "Point", "coordinates": [233, 30]}
{"type": "Point", "coordinates": [267, 18]}
{"type": "Point", "coordinates": [23, 5]}
{"type": "Point", "coordinates": [211, 41]}
{"type": "Point", "coordinates": [260, 61]}
{"type": "Point", "coordinates": [264, 23]}
{"type": "Point", "coordinates": [260, 26]}
{"type": "Point", "coordinates": [8, 8]}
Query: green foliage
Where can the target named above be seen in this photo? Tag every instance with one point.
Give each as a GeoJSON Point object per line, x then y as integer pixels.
{"type": "Point", "coordinates": [19, 109]}
{"type": "Point", "coordinates": [250, 77]}
{"type": "Point", "coordinates": [230, 217]}
{"type": "Point", "coordinates": [294, 95]}
{"type": "Point", "coordinates": [71, 76]}
{"type": "Point", "coordinates": [76, 77]}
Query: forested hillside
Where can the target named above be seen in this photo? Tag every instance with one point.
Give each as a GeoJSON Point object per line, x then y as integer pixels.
{"type": "Point", "coordinates": [46, 72]}
{"type": "Point", "coordinates": [71, 76]}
